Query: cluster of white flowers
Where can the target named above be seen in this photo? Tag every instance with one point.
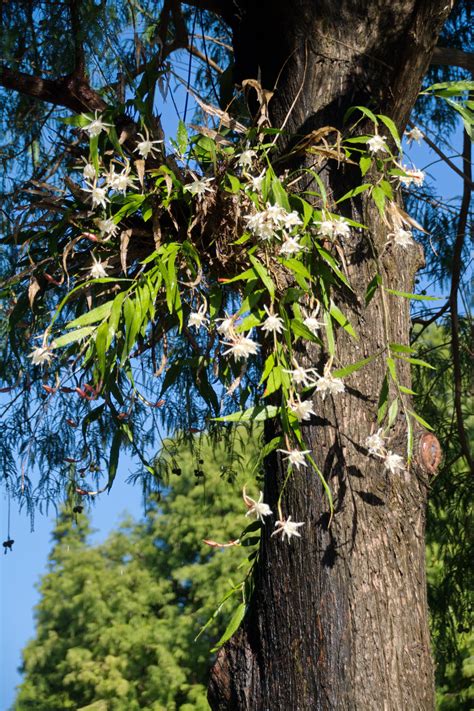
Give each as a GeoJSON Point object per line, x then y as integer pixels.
{"type": "Point", "coordinates": [259, 509]}
{"type": "Point", "coordinates": [375, 444]}
{"type": "Point", "coordinates": [412, 175]}
{"type": "Point", "coordinates": [402, 238]}
{"type": "Point", "coordinates": [41, 355]}
{"type": "Point", "coordinates": [241, 347]}
{"type": "Point", "coordinates": [327, 384]}
{"type": "Point", "coordinates": [377, 144]}
{"type": "Point", "coordinates": [274, 222]}
{"type": "Point", "coordinates": [334, 228]}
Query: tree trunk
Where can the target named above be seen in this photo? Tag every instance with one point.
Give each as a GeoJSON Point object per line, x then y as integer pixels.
{"type": "Point", "coordinates": [338, 619]}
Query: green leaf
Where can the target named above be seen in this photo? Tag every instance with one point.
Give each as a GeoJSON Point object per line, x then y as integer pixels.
{"type": "Point", "coordinates": [279, 194]}
{"type": "Point", "coordinates": [419, 419]}
{"type": "Point", "coordinates": [400, 348]}
{"type": "Point", "coordinates": [259, 413]}
{"type": "Point", "coordinates": [379, 197]}
{"type": "Point", "coordinates": [329, 334]}
{"type": "Point", "coordinates": [415, 361]}
{"type": "Point", "coordinates": [365, 163]}
{"type": "Point", "coordinates": [383, 400]}
{"type": "Point", "coordinates": [114, 457]}
{"type": "Point", "coordinates": [234, 183]}
{"type": "Point", "coordinates": [182, 139]}
{"type": "Point", "coordinates": [364, 110]}
{"type": "Point", "coordinates": [392, 369]}
{"type": "Point", "coordinates": [342, 320]}
{"type": "Point", "coordinates": [407, 295]}
{"type": "Point", "coordinates": [232, 627]}
{"type": "Point", "coordinates": [355, 191]}
{"type": "Point", "coordinates": [297, 267]}
{"type": "Point", "coordinates": [344, 372]}
{"type": "Point", "coordinates": [268, 367]}
{"type": "Point", "coordinates": [457, 87]}
{"type": "Point", "coordinates": [405, 390]}
{"type": "Point", "coordinates": [263, 274]}
{"type": "Point", "coordinates": [392, 128]}
{"type": "Point", "coordinates": [392, 413]}
{"type": "Point", "coordinates": [94, 316]}
{"type": "Point", "coordinates": [372, 288]}
{"type": "Point", "coordinates": [273, 382]}
{"type": "Point", "coordinates": [300, 330]}
{"type": "Point", "coordinates": [73, 336]}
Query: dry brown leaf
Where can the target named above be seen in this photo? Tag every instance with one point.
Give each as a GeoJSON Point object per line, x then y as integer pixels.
{"type": "Point", "coordinates": [33, 289]}
{"type": "Point", "coordinates": [124, 240]}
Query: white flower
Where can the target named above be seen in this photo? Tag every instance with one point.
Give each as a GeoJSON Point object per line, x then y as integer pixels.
{"type": "Point", "coordinates": [260, 225]}
{"type": "Point", "coordinates": [256, 183]}
{"type": "Point", "coordinates": [256, 508]}
{"type": "Point", "coordinates": [245, 159]}
{"type": "Point", "coordinates": [107, 227]}
{"type": "Point", "coordinates": [40, 355]}
{"type": "Point", "coordinates": [241, 347]}
{"type": "Point", "coordinates": [226, 326]}
{"type": "Point", "coordinates": [311, 322]}
{"type": "Point", "coordinates": [414, 135]}
{"type": "Point", "coordinates": [290, 246]}
{"type": "Point", "coordinates": [272, 324]}
{"type": "Point", "coordinates": [296, 457]}
{"type": "Point", "coordinates": [120, 182]}
{"type": "Point", "coordinates": [327, 384]}
{"type": "Point", "coordinates": [96, 125]}
{"type": "Point", "coordinates": [97, 270]}
{"type": "Point", "coordinates": [287, 528]}
{"type": "Point", "coordinates": [412, 176]}
{"type": "Point", "coordinates": [301, 376]}
{"type": "Point", "coordinates": [303, 409]}
{"type": "Point", "coordinates": [393, 462]}
{"type": "Point", "coordinates": [290, 220]}
{"type": "Point", "coordinates": [377, 144]}
{"type": "Point", "coordinates": [198, 318]}
{"type": "Point", "coordinates": [98, 195]}
{"type": "Point", "coordinates": [403, 238]}
{"type": "Point", "coordinates": [199, 187]}
{"type": "Point", "coordinates": [375, 443]}
{"type": "Point", "coordinates": [89, 172]}
{"type": "Point", "coordinates": [145, 147]}
{"type": "Point", "coordinates": [334, 228]}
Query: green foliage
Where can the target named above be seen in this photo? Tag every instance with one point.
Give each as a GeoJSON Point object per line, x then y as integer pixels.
{"type": "Point", "coordinates": [450, 549]}
{"type": "Point", "coordinates": [117, 622]}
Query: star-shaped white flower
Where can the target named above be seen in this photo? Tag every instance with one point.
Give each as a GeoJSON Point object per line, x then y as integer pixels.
{"type": "Point", "coordinates": [272, 324]}
{"type": "Point", "coordinates": [290, 220]}
{"type": "Point", "coordinates": [96, 125]}
{"type": "Point", "coordinates": [376, 145]}
{"type": "Point", "coordinates": [303, 409]}
{"type": "Point", "coordinates": [403, 238]}
{"type": "Point", "coordinates": [145, 147]}
{"type": "Point", "coordinates": [257, 182]}
{"type": "Point", "coordinates": [287, 528]}
{"type": "Point", "coordinates": [41, 355]}
{"type": "Point", "coordinates": [327, 384]}
{"type": "Point", "coordinates": [122, 181]}
{"type": "Point", "coordinates": [412, 175]}
{"type": "Point", "coordinates": [375, 443]}
{"type": "Point", "coordinates": [246, 158]}
{"type": "Point", "coordinates": [97, 271]}
{"type": "Point", "coordinates": [394, 462]}
{"type": "Point", "coordinates": [311, 322]}
{"type": "Point", "coordinates": [257, 509]}
{"type": "Point", "coordinates": [199, 187]}
{"type": "Point", "coordinates": [241, 347]}
{"type": "Point", "coordinates": [302, 376]}
{"type": "Point", "coordinates": [296, 457]}
{"type": "Point", "coordinates": [98, 194]}
{"type": "Point", "coordinates": [107, 227]}
{"type": "Point", "coordinates": [290, 246]}
{"type": "Point", "coordinates": [89, 172]}
{"type": "Point", "coordinates": [414, 135]}
{"type": "Point", "coordinates": [334, 228]}
{"type": "Point", "coordinates": [226, 326]}
{"type": "Point", "coordinates": [198, 318]}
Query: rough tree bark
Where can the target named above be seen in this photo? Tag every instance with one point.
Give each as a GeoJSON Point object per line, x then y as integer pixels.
{"type": "Point", "coordinates": [339, 618]}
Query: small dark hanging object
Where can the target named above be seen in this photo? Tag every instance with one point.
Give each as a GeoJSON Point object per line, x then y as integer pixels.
{"type": "Point", "coordinates": [78, 509]}
{"type": "Point", "coordinates": [7, 545]}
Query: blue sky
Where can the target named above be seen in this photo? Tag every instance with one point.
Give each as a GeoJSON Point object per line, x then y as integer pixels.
{"type": "Point", "coordinates": [21, 569]}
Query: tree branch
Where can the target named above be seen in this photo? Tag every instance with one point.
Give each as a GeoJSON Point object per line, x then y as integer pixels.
{"type": "Point", "coordinates": [453, 298]}
{"type": "Point", "coordinates": [70, 92]}
{"type": "Point", "coordinates": [453, 57]}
